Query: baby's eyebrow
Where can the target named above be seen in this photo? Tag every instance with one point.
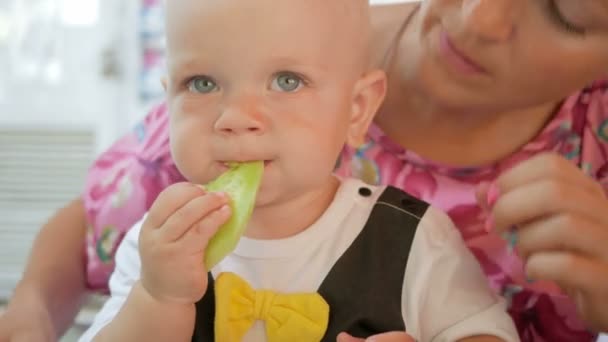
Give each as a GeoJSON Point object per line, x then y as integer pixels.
{"type": "Point", "coordinates": [184, 62]}
{"type": "Point", "coordinates": [181, 66]}
{"type": "Point", "coordinates": [289, 61]}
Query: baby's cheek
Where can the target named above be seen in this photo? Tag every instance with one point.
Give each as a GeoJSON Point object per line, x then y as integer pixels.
{"type": "Point", "coordinates": [188, 164]}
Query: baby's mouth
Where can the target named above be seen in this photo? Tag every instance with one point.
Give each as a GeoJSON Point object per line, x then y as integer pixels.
{"type": "Point", "coordinates": [229, 164]}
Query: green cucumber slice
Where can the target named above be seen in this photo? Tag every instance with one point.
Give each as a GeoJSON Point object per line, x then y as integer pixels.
{"type": "Point", "coordinates": [241, 183]}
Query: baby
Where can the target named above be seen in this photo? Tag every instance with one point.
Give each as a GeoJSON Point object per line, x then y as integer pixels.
{"type": "Point", "coordinates": [287, 82]}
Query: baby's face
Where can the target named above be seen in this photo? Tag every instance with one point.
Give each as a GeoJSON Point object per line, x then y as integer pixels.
{"type": "Point", "coordinates": [264, 80]}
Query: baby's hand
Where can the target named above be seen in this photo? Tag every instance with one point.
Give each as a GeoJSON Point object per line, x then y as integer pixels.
{"type": "Point", "coordinates": [173, 239]}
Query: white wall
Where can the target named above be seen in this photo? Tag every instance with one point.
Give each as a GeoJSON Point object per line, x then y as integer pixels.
{"type": "Point", "coordinates": [54, 77]}
{"type": "Point", "coordinates": [79, 95]}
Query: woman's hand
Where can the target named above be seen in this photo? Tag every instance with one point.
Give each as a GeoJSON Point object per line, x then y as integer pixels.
{"type": "Point", "coordinates": [394, 336]}
{"type": "Point", "coordinates": [559, 218]}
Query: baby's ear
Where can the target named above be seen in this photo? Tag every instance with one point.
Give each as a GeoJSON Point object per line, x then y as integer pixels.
{"type": "Point", "coordinates": [369, 92]}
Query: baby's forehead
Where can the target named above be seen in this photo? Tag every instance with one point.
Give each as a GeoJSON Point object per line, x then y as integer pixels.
{"type": "Point", "coordinates": [339, 9]}
{"type": "Point", "coordinates": [308, 29]}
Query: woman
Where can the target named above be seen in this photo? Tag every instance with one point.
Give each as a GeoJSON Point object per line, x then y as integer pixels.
{"type": "Point", "coordinates": [485, 96]}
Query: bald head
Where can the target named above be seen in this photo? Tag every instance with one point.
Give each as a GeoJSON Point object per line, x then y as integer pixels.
{"type": "Point", "coordinates": [340, 28]}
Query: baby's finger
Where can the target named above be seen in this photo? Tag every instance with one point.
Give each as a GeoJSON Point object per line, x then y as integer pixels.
{"type": "Point", "coordinates": [197, 238]}
{"type": "Point", "coordinates": [169, 201]}
{"type": "Point", "coordinates": [191, 213]}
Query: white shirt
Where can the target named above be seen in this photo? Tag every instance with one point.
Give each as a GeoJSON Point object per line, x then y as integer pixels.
{"type": "Point", "coordinates": [445, 294]}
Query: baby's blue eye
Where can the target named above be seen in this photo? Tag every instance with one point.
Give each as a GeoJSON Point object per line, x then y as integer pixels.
{"type": "Point", "coordinates": [202, 84]}
{"type": "Point", "coordinates": [287, 82]}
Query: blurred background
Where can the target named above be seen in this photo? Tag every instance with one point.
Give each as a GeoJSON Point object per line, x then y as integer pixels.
{"type": "Point", "coordinates": [74, 76]}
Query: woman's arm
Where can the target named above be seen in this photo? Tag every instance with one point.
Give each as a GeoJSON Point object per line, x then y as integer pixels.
{"type": "Point", "coordinates": [121, 185]}
{"type": "Point", "coordinates": [52, 288]}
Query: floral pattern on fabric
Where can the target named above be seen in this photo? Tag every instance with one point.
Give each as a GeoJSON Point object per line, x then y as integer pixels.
{"type": "Point", "coordinates": [125, 180]}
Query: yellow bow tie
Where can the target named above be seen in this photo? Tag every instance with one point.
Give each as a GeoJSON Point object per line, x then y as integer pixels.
{"type": "Point", "coordinates": [294, 318]}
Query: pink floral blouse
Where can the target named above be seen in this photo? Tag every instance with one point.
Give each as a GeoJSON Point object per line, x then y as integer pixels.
{"type": "Point", "coordinates": [125, 180]}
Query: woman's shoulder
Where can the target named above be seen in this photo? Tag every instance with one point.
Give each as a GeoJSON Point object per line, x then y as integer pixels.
{"type": "Point", "coordinates": [591, 100]}
{"type": "Point", "coordinates": [588, 111]}
{"type": "Point", "coordinates": [589, 108]}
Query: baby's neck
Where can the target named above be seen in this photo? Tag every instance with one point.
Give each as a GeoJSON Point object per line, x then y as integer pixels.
{"type": "Point", "coordinates": [292, 216]}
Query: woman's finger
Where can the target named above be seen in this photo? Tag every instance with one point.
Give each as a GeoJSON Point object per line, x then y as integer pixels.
{"type": "Point", "coordinates": [569, 270]}
{"type": "Point", "coordinates": [345, 337]}
{"type": "Point", "coordinates": [544, 198]}
{"type": "Point", "coordinates": [563, 232]}
{"type": "Point", "coordinates": [547, 166]}
{"type": "Point", "coordinates": [393, 336]}
{"type": "Point", "coordinates": [585, 279]}
{"type": "Point", "coordinates": [482, 195]}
